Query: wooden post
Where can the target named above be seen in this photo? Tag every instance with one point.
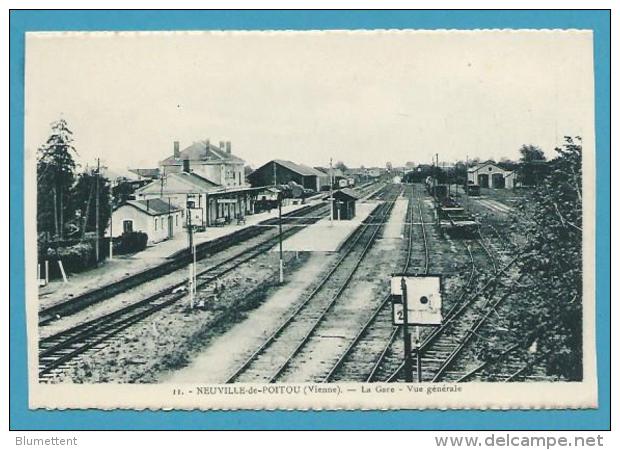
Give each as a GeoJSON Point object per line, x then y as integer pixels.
{"type": "Point", "coordinates": [406, 336]}
{"type": "Point", "coordinates": [62, 271]}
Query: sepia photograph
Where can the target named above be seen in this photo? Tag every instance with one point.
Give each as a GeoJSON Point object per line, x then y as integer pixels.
{"type": "Point", "coordinates": [368, 219]}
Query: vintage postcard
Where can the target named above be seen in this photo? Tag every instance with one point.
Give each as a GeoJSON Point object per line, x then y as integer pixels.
{"type": "Point", "coordinates": [372, 219]}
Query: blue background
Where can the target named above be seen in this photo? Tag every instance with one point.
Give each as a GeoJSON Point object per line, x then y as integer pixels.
{"type": "Point", "coordinates": [23, 419]}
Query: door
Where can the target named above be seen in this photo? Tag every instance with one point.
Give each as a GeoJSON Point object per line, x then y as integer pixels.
{"type": "Point", "coordinates": [483, 180]}
{"type": "Point", "coordinates": [498, 181]}
{"type": "Point", "coordinates": [170, 227]}
{"type": "Point", "coordinates": [127, 226]}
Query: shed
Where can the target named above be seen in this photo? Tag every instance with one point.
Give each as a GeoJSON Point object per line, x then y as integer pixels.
{"type": "Point", "coordinates": [490, 175]}
{"type": "Point", "coordinates": [344, 204]}
{"type": "Point", "coordinates": [157, 218]}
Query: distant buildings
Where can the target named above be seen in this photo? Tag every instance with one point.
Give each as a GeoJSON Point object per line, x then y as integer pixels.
{"type": "Point", "coordinates": [490, 175]}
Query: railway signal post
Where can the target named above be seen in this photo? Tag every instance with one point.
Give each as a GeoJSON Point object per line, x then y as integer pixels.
{"type": "Point", "coordinates": [406, 337]}
{"type": "Point", "coordinates": [416, 300]}
{"type": "Point", "coordinates": [194, 218]}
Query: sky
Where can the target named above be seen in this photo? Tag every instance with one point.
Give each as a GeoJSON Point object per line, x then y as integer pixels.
{"type": "Point", "coordinates": [364, 98]}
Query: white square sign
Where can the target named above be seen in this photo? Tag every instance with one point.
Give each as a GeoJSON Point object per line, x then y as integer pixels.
{"type": "Point", "coordinates": [423, 300]}
{"type": "Point", "coordinates": [196, 216]}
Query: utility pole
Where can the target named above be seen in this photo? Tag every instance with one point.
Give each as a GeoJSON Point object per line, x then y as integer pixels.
{"type": "Point", "coordinates": [280, 236]}
{"type": "Point", "coordinates": [467, 183]}
{"type": "Point", "coordinates": [192, 253]}
{"type": "Point", "coordinates": [331, 193]}
{"type": "Point", "coordinates": [406, 336]}
{"type": "Point", "coordinates": [275, 178]}
{"type": "Point", "coordinates": [111, 247]}
{"type": "Point", "coordinates": [97, 214]}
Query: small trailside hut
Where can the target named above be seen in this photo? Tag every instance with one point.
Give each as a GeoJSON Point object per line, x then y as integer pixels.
{"type": "Point", "coordinates": [344, 204]}
{"type": "Point", "coordinates": [159, 219]}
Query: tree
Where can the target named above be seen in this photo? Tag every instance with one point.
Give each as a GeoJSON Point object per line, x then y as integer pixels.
{"type": "Point", "coordinates": [507, 164]}
{"type": "Point", "coordinates": [552, 314]}
{"type": "Point", "coordinates": [340, 165]}
{"type": "Point", "coordinates": [532, 165]}
{"type": "Point", "coordinates": [84, 197]}
{"type": "Point", "coordinates": [55, 176]}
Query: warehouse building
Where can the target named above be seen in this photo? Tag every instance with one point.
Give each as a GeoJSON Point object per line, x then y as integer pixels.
{"type": "Point", "coordinates": [280, 172]}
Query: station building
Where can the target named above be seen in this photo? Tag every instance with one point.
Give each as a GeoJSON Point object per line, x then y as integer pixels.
{"type": "Point", "coordinates": [215, 163]}
{"type": "Point", "coordinates": [219, 205]}
{"type": "Point", "coordinates": [490, 175]}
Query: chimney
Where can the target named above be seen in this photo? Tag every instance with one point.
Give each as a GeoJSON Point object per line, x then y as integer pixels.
{"type": "Point", "coordinates": [222, 145]}
{"type": "Point", "coordinates": [228, 147]}
{"type": "Point", "coordinates": [177, 152]}
{"type": "Point", "coordinates": [207, 145]}
{"type": "Point", "coordinates": [186, 165]}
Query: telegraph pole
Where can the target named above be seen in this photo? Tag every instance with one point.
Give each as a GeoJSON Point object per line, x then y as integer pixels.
{"type": "Point", "coordinates": [331, 193]}
{"type": "Point", "coordinates": [97, 214]}
{"type": "Point", "coordinates": [111, 247]}
{"type": "Point", "coordinates": [280, 236]}
{"type": "Point", "coordinates": [467, 183]}
{"type": "Point", "coordinates": [406, 336]}
{"type": "Point", "coordinates": [192, 253]}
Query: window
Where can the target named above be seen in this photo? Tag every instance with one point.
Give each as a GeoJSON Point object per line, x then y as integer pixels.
{"type": "Point", "coordinates": [176, 216]}
{"type": "Point", "coordinates": [155, 223]}
{"type": "Point", "coordinates": [127, 226]}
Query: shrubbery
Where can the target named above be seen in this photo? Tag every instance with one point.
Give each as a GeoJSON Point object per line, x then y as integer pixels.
{"type": "Point", "coordinates": [75, 258]}
{"type": "Point", "coordinates": [130, 242]}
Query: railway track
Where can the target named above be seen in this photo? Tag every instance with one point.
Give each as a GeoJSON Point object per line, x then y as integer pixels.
{"type": "Point", "coordinates": [56, 350]}
{"type": "Point", "coordinates": [275, 357]}
{"type": "Point", "coordinates": [355, 363]}
{"type": "Point", "coordinates": [82, 301]}
{"type": "Point", "coordinates": [183, 258]}
{"type": "Point", "coordinates": [442, 346]}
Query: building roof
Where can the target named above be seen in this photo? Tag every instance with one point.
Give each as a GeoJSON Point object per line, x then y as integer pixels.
{"type": "Point", "coordinates": [346, 192]}
{"type": "Point", "coordinates": [152, 207]}
{"type": "Point", "coordinates": [199, 151]}
{"type": "Point", "coordinates": [195, 182]}
{"type": "Point", "coordinates": [299, 168]}
{"type": "Point", "coordinates": [147, 173]}
{"type": "Point", "coordinates": [483, 165]}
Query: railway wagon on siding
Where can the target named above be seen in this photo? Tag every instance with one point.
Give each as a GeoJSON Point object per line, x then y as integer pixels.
{"type": "Point", "coordinates": [454, 220]}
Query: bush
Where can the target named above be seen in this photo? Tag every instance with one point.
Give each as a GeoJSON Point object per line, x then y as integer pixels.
{"type": "Point", "coordinates": [75, 258]}
{"type": "Point", "coordinates": [130, 242]}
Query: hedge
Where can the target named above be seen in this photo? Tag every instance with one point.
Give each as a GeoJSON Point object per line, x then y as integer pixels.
{"type": "Point", "coordinates": [130, 242]}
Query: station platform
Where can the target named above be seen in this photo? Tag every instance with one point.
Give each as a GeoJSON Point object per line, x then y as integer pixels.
{"type": "Point", "coordinates": [125, 265]}
{"type": "Point", "coordinates": [324, 236]}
